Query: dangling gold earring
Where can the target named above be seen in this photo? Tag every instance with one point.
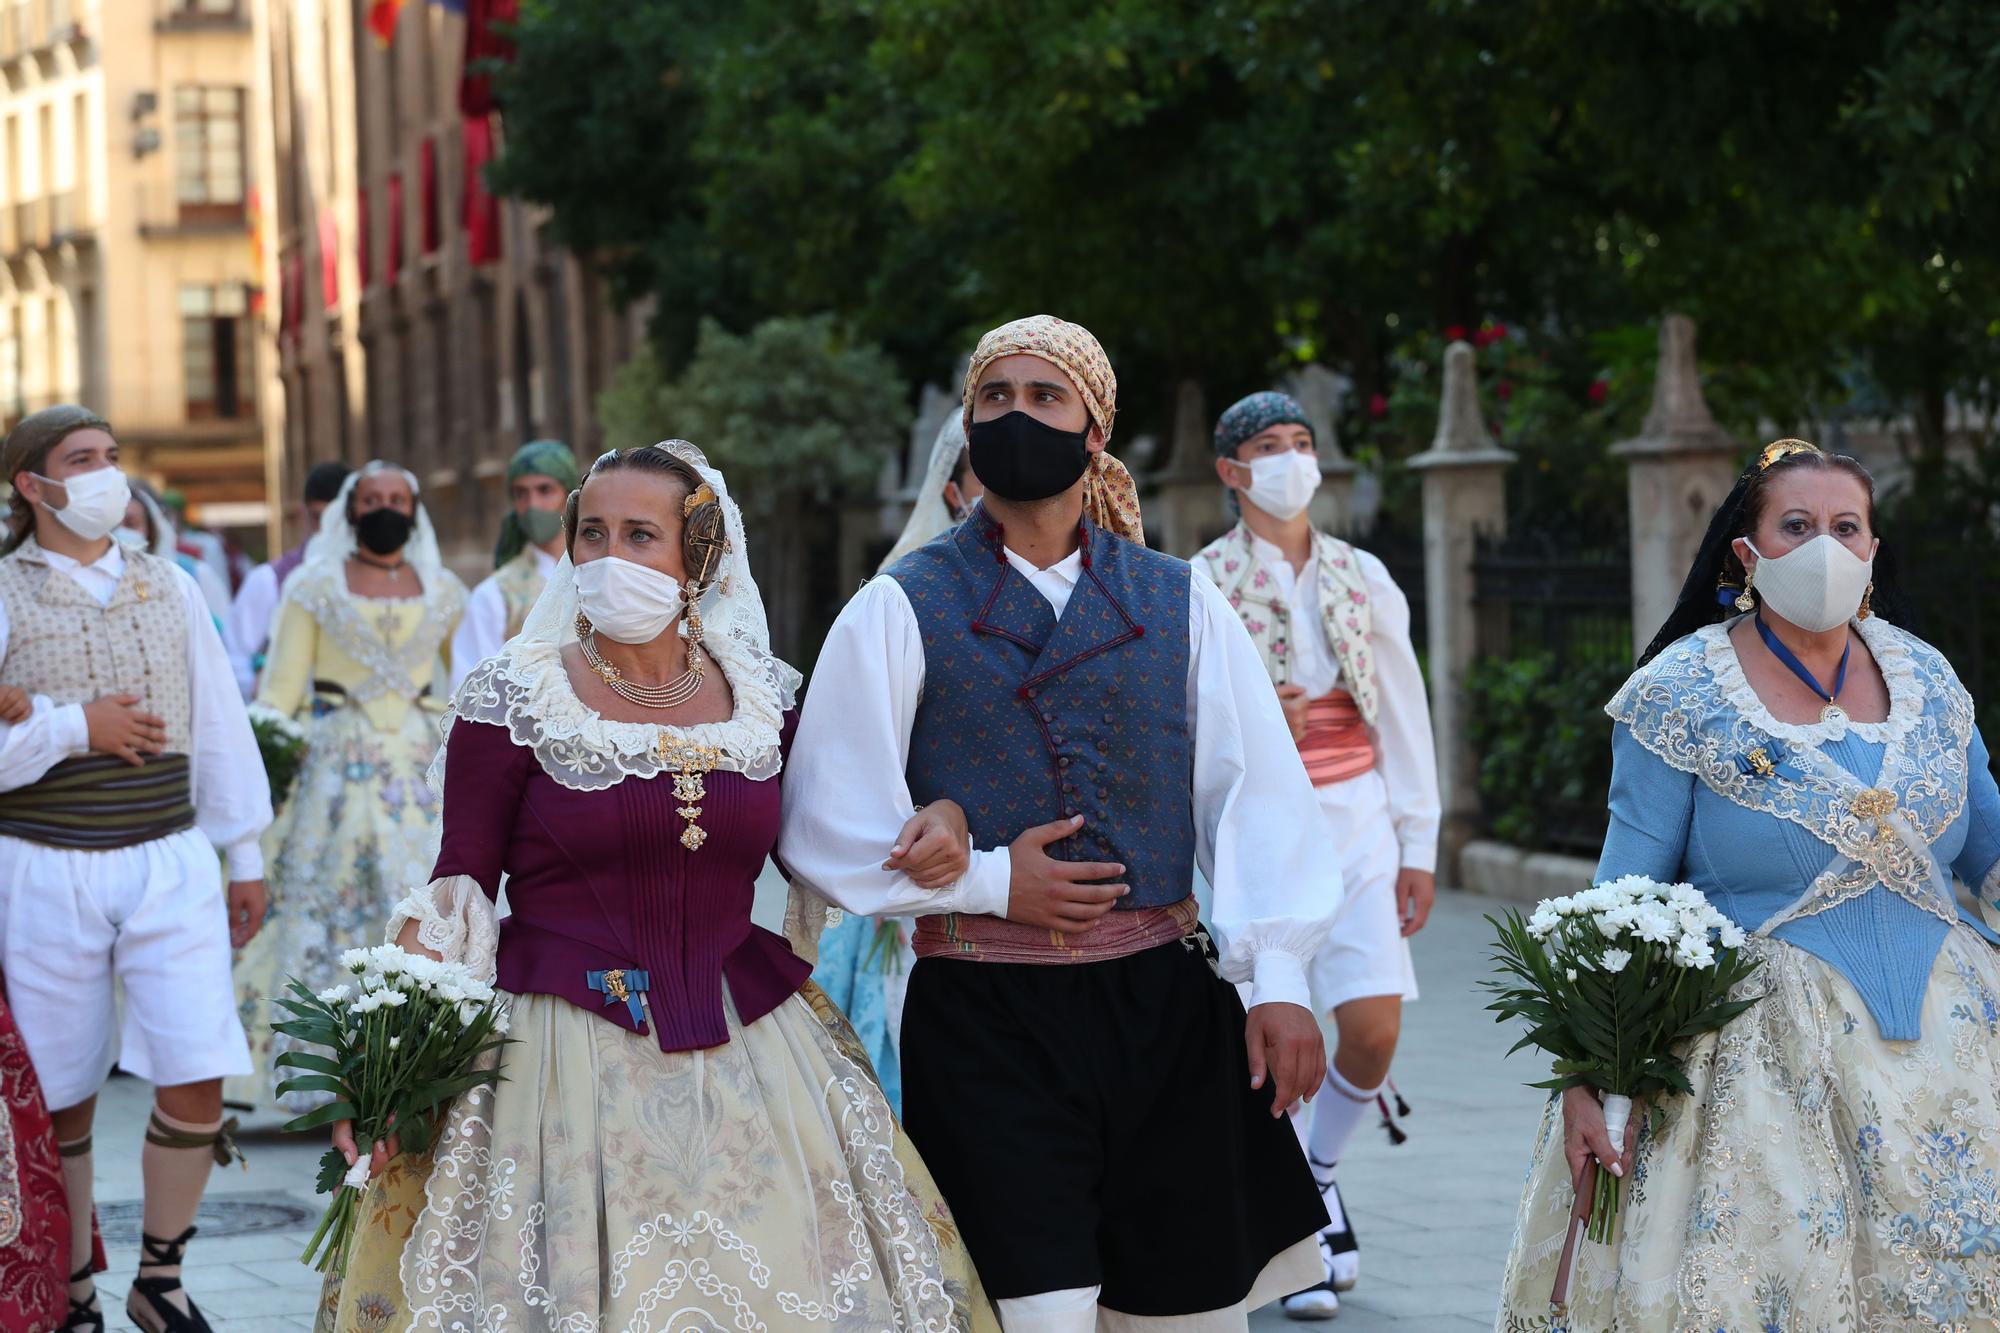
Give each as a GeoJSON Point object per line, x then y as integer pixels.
{"type": "Point", "coordinates": [583, 625]}
{"type": "Point", "coordinates": [1744, 601]}
{"type": "Point", "coordinates": [692, 632]}
{"type": "Point", "coordinates": [1867, 596]}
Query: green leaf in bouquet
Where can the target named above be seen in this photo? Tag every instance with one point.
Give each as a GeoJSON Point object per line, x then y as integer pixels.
{"type": "Point", "coordinates": [316, 1031]}
{"type": "Point", "coordinates": [332, 1170]}
{"type": "Point", "coordinates": [307, 1060]}
{"type": "Point", "coordinates": [313, 1083]}
{"type": "Point", "coordinates": [325, 1115]}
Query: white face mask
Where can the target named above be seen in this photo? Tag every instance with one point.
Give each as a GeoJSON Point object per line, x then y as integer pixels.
{"type": "Point", "coordinates": [97, 502]}
{"type": "Point", "coordinates": [1817, 586]}
{"type": "Point", "coordinates": [1282, 485]}
{"type": "Point", "coordinates": [627, 603]}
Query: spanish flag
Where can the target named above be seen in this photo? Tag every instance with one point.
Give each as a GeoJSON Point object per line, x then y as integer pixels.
{"type": "Point", "coordinates": [382, 16]}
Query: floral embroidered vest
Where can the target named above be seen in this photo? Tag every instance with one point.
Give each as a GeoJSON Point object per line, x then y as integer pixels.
{"type": "Point", "coordinates": [1231, 562]}
{"type": "Point", "coordinates": [1026, 718]}
{"type": "Point", "coordinates": [62, 644]}
{"type": "Point", "coordinates": [520, 581]}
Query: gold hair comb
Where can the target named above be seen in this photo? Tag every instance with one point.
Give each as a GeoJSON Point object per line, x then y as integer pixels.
{"type": "Point", "coordinates": [703, 494]}
{"type": "Point", "coordinates": [1778, 449]}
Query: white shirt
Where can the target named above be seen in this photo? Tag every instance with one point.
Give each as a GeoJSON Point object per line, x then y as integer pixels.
{"type": "Point", "coordinates": [1405, 754]}
{"type": "Point", "coordinates": [232, 797]}
{"type": "Point", "coordinates": [846, 795]}
{"type": "Point", "coordinates": [248, 626]}
{"type": "Point", "coordinates": [483, 628]}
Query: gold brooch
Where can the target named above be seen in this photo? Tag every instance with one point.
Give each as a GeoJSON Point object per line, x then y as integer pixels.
{"type": "Point", "coordinates": [614, 985]}
{"type": "Point", "coordinates": [1875, 803]}
{"type": "Point", "coordinates": [689, 764]}
{"type": "Point", "coordinates": [1760, 762]}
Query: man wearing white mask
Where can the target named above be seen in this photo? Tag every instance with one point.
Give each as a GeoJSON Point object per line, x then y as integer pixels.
{"type": "Point", "coordinates": [1334, 633]}
{"type": "Point", "coordinates": [134, 766]}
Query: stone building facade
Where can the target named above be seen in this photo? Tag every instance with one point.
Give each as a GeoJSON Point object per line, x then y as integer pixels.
{"type": "Point", "coordinates": [399, 332]}
{"type": "Point", "coordinates": [128, 217]}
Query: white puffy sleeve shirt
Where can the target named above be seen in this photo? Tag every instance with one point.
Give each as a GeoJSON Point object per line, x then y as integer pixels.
{"type": "Point", "coordinates": [232, 797]}
{"type": "Point", "coordinates": [1405, 754]}
{"type": "Point", "coordinates": [846, 796]}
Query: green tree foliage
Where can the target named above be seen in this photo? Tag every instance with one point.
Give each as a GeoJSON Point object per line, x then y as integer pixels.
{"type": "Point", "coordinates": [1223, 187]}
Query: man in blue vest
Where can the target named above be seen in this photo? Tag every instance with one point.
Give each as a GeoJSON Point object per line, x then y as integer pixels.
{"type": "Point", "coordinates": [1078, 1072]}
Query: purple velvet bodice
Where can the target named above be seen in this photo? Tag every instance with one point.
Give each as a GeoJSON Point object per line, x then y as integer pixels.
{"type": "Point", "coordinates": [599, 880]}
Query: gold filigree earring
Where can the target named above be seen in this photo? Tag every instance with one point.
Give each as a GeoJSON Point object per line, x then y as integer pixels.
{"type": "Point", "coordinates": [583, 625]}
{"type": "Point", "coordinates": [1867, 596]}
{"type": "Point", "coordinates": [1744, 600]}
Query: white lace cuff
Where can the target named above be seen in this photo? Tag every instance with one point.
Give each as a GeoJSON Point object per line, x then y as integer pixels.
{"type": "Point", "coordinates": [455, 919]}
{"type": "Point", "coordinates": [807, 916]}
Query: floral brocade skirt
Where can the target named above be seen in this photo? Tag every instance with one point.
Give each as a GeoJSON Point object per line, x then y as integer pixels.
{"type": "Point", "coordinates": [605, 1184]}
{"type": "Point", "coordinates": [1818, 1178]}
{"type": "Point", "coordinates": [359, 829]}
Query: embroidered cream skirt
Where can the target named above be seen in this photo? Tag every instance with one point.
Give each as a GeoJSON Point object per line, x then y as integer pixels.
{"type": "Point", "coordinates": [359, 830]}
{"type": "Point", "coordinates": [1819, 1177]}
{"type": "Point", "coordinates": [607, 1185]}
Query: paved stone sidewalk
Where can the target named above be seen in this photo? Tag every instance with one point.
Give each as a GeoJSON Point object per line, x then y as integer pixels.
{"type": "Point", "coordinates": [1434, 1215]}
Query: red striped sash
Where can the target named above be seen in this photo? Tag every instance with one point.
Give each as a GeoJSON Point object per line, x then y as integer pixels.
{"type": "Point", "coordinates": [1336, 745]}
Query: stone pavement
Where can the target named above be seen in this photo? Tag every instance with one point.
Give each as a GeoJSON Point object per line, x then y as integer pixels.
{"type": "Point", "coordinates": [1434, 1215]}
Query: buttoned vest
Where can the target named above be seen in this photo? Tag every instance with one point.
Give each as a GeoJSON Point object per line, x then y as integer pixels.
{"type": "Point", "coordinates": [1026, 718]}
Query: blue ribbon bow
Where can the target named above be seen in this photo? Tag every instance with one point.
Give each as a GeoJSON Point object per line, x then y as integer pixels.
{"type": "Point", "coordinates": [1767, 760]}
{"type": "Point", "coordinates": [620, 983]}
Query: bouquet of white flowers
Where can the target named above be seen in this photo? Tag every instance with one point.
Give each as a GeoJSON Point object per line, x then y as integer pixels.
{"type": "Point", "coordinates": [1611, 982]}
{"type": "Point", "coordinates": [281, 743]}
{"type": "Point", "coordinates": [404, 1039]}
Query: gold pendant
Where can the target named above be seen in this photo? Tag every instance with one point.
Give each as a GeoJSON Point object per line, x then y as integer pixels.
{"type": "Point", "coordinates": [1833, 713]}
{"type": "Point", "coordinates": [689, 764]}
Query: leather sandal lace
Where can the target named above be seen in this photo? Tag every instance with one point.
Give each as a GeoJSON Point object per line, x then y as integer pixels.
{"type": "Point", "coordinates": [148, 1306]}
{"type": "Point", "coordinates": [83, 1315]}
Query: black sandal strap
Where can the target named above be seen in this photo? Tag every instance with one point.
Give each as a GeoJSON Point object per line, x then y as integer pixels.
{"type": "Point", "coordinates": [162, 1253]}
{"type": "Point", "coordinates": [84, 1314]}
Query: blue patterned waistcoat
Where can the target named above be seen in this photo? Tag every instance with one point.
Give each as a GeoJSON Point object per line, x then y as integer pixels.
{"type": "Point", "coordinates": [1026, 719]}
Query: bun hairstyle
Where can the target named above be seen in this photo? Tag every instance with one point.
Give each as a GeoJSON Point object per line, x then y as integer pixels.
{"type": "Point", "coordinates": [703, 541]}
{"type": "Point", "coordinates": [1717, 574]}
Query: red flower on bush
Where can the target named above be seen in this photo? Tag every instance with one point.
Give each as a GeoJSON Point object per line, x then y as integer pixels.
{"type": "Point", "coordinates": [1378, 406]}
{"type": "Point", "coordinates": [1454, 333]}
{"type": "Point", "coordinates": [1505, 388]}
{"type": "Point", "coordinates": [1597, 390]}
{"type": "Point", "coordinates": [1485, 337]}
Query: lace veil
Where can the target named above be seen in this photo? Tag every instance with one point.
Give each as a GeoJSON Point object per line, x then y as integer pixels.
{"type": "Point", "coordinates": [334, 541]}
{"type": "Point", "coordinates": [931, 517]}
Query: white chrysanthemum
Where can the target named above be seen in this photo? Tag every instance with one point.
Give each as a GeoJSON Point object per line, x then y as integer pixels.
{"type": "Point", "coordinates": [1731, 935]}
{"type": "Point", "coordinates": [368, 1003]}
{"type": "Point", "coordinates": [1615, 960]}
{"type": "Point", "coordinates": [1570, 973]}
{"type": "Point", "coordinates": [468, 1012]}
{"type": "Point", "coordinates": [1694, 953]}
{"type": "Point", "coordinates": [394, 999]}
{"type": "Point", "coordinates": [1543, 921]}
{"type": "Point", "coordinates": [335, 994]}
{"type": "Point", "coordinates": [1653, 924]}
{"type": "Point", "coordinates": [388, 959]}
{"type": "Point", "coordinates": [354, 960]}
{"type": "Point", "coordinates": [394, 1042]}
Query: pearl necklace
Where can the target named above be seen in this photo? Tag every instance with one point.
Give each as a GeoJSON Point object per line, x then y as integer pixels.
{"type": "Point", "coordinates": [671, 694]}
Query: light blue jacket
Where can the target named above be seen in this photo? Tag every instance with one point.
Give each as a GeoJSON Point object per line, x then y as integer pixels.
{"type": "Point", "coordinates": [1839, 838]}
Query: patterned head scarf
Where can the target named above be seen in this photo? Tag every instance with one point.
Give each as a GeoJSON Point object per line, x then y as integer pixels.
{"type": "Point", "coordinates": [536, 458]}
{"type": "Point", "coordinates": [1252, 416]}
{"type": "Point", "coordinates": [1109, 498]}
{"type": "Point", "coordinates": [27, 449]}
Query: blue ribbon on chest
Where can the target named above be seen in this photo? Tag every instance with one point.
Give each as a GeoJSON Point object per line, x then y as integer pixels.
{"type": "Point", "coordinates": [620, 985]}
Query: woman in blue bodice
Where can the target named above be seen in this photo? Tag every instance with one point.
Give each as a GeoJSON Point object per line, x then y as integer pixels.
{"type": "Point", "coordinates": [1816, 772]}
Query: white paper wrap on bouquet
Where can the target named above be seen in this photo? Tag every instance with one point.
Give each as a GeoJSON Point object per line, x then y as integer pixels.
{"type": "Point", "coordinates": [1617, 1115]}
{"type": "Point", "coordinates": [455, 920]}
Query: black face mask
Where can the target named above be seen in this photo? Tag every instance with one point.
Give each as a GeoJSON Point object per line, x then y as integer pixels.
{"type": "Point", "coordinates": [1018, 458]}
{"type": "Point", "coordinates": [383, 531]}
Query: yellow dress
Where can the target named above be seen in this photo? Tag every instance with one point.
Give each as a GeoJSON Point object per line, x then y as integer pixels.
{"type": "Point", "coordinates": [364, 676]}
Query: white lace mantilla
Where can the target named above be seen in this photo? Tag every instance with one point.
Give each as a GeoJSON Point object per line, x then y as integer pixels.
{"type": "Point", "coordinates": [392, 667]}
{"type": "Point", "coordinates": [526, 689]}
{"type": "Point", "coordinates": [1693, 707]}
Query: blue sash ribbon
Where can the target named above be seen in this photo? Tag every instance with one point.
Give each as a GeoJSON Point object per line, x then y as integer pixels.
{"type": "Point", "coordinates": [617, 984]}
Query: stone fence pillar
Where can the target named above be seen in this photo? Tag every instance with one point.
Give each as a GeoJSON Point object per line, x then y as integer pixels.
{"type": "Point", "coordinates": [1680, 466]}
{"type": "Point", "coordinates": [1465, 498]}
{"type": "Point", "coordinates": [1185, 509]}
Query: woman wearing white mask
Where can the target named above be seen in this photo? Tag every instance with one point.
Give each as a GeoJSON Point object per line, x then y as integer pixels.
{"type": "Point", "coordinates": [133, 768]}
{"type": "Point", "coordinates": [1334, 632]}
{"type": "Point", "coordinates": [684, 1126]}
{"type": "Point", "coordinates": [356, 658]}
{"type": "Point", "coordinates": [1816, 772]}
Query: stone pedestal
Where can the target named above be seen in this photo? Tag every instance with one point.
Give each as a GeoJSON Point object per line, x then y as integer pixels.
{"type": "Point", "coordinates": [1185, 509]}
{"type": "Point", "coordinates": [1320, 392]}
{"type": "Point", "coordinates": [1681, 466]}
{"type": "Point", "coordinates": [1465, 498]}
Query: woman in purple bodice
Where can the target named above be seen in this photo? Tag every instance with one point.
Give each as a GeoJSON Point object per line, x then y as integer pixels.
{"type": "Point", "coordinates": [684, 1126]}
